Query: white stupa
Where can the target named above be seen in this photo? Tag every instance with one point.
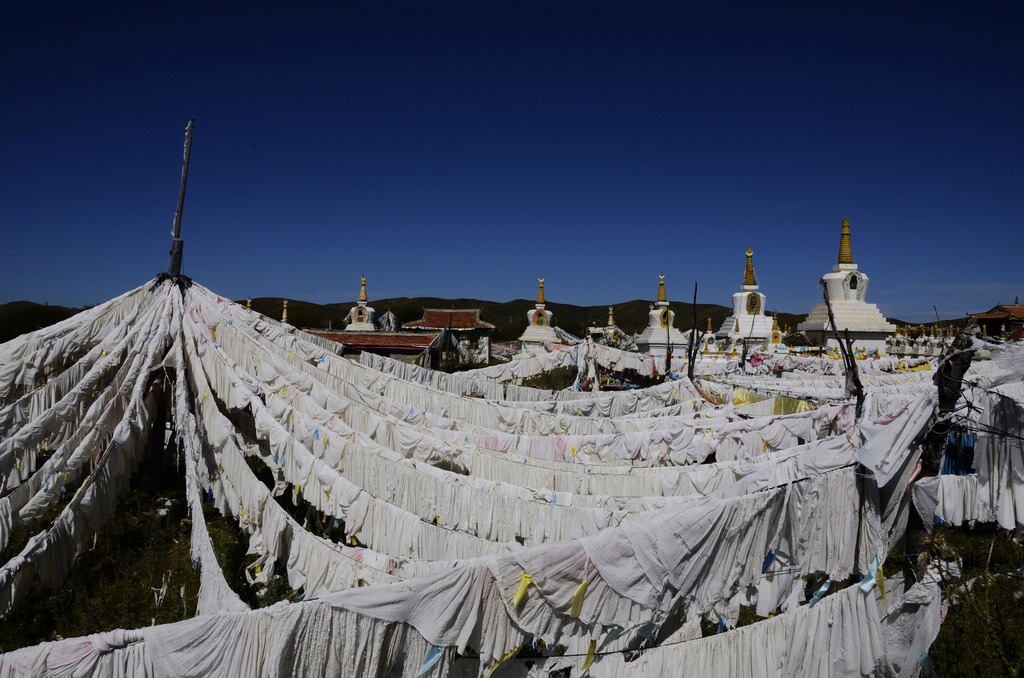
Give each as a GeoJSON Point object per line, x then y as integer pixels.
{"type": "Point", "coordinates": [748, 320]}
{"type": "Point", "coordinates": [847, 288]}
{"type": "Point", "coordinates": [539, 333]}
{"type": "Point", "coordinates": [360, 316]}
{"type": "Point", "coordinates": [660, 334]}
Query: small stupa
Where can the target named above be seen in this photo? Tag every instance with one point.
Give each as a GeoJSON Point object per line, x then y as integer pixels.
{"type": "Point", "coordinates": [661, 338]}
{"type": "Point", "coordinates": [539, 333]}
{"type": "Point", "coordinates": [608, 334]}
{"type": "Point", "coordinates": [748, 323]}
{"type": "Point", "coordinates": [360, 316]}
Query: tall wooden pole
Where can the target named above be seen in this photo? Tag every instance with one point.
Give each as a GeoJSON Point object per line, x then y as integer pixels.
{"type": "Point", "coordinates": [177, 244]}
{"type": "Point", "coordinates": [853, 383]}
{"type": "Point", "coordinates": [691, 355]}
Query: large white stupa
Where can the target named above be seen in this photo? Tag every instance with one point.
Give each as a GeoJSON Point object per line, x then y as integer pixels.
{"type": "Point", "coordinates": [847, 287]}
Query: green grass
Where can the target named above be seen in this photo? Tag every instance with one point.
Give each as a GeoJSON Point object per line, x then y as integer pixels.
{"type": "Point", "coordinates": [114, 583]}
{"type": "Point", "coordinates": [983, 632]}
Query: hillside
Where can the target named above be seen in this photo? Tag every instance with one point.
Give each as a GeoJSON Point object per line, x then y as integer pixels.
{"type": "Point", "coordinates": [21, 317]}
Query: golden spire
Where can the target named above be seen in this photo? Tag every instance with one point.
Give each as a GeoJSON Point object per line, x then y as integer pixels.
{"type": "Point", "coordinates": [775, 322]}
{"type": "Point", "coordinates": [611, 320]}
{"type": "Point", "coordinates": [284, 313]}
{"type": "Point", "coordinates": [540, 290]}
{"type": "Point", "coordinates": [748, 274]}
{"type": "Point", "coordinates": [709, 323]}
{"type": "Point", "coordinates": [845, 251]}
{"type": "Point", "coordinates": [362, 289]}
{"type": "Point", "coordinates": [661, 287]}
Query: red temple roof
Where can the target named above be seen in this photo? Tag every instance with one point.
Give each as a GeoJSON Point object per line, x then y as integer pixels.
{"type": "Point", "coordinates": [456, 319]}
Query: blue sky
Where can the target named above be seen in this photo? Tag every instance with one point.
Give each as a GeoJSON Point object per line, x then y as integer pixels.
{"type": "Point", "coordinates": [462, 149]}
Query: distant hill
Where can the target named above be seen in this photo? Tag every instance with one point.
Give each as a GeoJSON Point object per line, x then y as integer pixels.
{"type": "Point", "coordinates": [21, 317]}
{"type": "Point", "coordinates": [508, 317]}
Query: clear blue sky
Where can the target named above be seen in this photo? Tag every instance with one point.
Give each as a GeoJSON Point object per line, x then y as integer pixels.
{"type": "Point", "coordinates": [461, 149]}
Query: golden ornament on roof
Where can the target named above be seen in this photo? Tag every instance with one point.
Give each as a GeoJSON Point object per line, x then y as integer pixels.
{"type": "Point", "coordinates": [748, 274]}
{"type": "Point", "coordinates": [845, 250]}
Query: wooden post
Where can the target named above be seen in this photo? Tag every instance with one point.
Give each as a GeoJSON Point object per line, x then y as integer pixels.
{"type": "Point", "coordinates": [668, 346]}
{"type": "Point", "coordinates": [949, 378]}
{"type": "Point", "coordinates": [694, 337]}
{"type": "Point", "coordinates": [853, 385]}
{"type": "Point", "coordinates": [177, 244]}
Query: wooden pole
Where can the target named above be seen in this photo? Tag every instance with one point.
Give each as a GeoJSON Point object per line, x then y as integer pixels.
{"type": "Point", "coordinates": [177, 244]}
{"type": "Point", "coordinates": [853, 384]}
{"type": "Point", "coordinates": [694, 339]}
{"type": "Point", "coordinates": [949, 378]}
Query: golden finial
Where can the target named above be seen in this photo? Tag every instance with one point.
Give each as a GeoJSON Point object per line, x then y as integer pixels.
{"type": "Point", "coordinates": [611, 320]}
{"type": "Point", "coordinates": [845, 251]}
{"type": "Point", "coordinates": [540, 290]}
{"type": "Point", "coordinates": [661, 287]}
{"type": "Point", "coordinates": [248, 302]}
{"type": "Point", "coordinates": [284, 313]}
{"type": "Point", "coordinates": [775, 322]}
{"type": "Point", "coordinates": [362, 288]}
{"type": "Point", "coordinates": [748, 274]}
{"type": "Point", "coordinates": [709, 323]}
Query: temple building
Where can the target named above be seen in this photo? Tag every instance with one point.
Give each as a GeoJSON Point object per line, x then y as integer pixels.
{"type": "Point", "coordinates": [1003, 320]}
{"type": "Point", "coordinates": [661, 338]}
{"type": "Point", "coordinates": [539, 333]}
{"type": "Point", "coordinates": [360, 316]}
{"type": "Point", "coordinates": [847, 288]}
{"type": "Point", "coordinates": [748, 323]}
{"type": "Point", "coordinates": [463, 339]}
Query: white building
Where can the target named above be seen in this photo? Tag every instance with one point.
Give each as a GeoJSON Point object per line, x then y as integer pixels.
{"type": "Point", "coordinates": [847, 288]}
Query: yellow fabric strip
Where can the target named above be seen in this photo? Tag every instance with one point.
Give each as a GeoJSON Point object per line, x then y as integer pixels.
{"type": "Point", "coordinates": [521, 593]}
{"type": "Point", "coordinates": [590, 654]}
{"type": "Point", "coordinates": [577, 600]}
{"type": "Point", "coordinates": [508, 655]}
{"type": "Point", "coordinates": [880, 578]}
